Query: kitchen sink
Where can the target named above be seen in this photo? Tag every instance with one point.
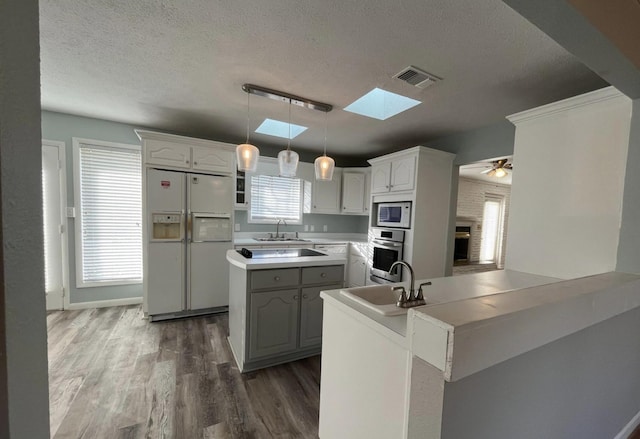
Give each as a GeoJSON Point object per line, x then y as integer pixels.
{"type": "Point", "coordinates": [380, 298]}
{"type": "Point", "coordinates": [281, 240]}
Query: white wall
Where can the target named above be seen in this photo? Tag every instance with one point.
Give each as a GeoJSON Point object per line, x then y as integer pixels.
{"type": "Point", "coordinates": [471, 197]}
{"type": "Point", "coordinates": [24, 402]}
{"type": "Point", "coordinates": [566, 199]}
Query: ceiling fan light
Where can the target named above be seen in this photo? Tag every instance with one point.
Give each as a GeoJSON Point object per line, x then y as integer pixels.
{"type": "Point", "coordinates": [500, 172]}
{"type": "Point", "coordinates": [324, 166]}
{"type": "Point", "coordinates": [288, 162]}
{"type": "Point", "coordinates": [247, 157]}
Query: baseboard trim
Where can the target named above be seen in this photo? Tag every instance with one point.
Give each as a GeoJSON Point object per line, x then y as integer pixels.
{"type": "Point", "coordinates": [105, 303]}
{"type": "Point", "coordinates": [629, 428]}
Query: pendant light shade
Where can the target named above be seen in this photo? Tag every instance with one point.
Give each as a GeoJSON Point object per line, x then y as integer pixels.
{"type": "Point", "coordinates": [247, 154]}
{"type": "Point", "coordinates": [324, 168]}
{"type": "Point", "coordinates": [287, 159]}
{"type": "Point", "coordinates": [247, 157]}
{"type": "Point", "coordinates": [324, 165]}
{"type": "Point", "coordinates": [288, 162]}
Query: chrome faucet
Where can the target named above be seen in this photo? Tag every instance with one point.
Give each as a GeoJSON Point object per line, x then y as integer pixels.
{"type": "Point", "coordinates": [413, 298]}
{"type": "Point", "coordinates": [280, 220]}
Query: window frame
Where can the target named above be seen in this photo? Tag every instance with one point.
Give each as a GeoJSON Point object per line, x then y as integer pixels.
{"type": "Point", "coordinates": [77, 144]}
{"type": "Point", "coordinates": [274, 220]}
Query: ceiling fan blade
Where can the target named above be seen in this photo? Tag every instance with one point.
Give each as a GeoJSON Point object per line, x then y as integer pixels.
{"type": "Point", "coordinates": [491, 173]}
{"type": "Point", "coordinates": [486, 171]}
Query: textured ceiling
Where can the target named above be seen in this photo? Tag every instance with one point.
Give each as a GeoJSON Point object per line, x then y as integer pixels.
{"type": "Point", "coordinates": [178, 65]}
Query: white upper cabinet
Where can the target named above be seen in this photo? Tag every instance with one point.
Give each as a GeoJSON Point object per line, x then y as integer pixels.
{"type": "Point", "coordinates": [380, 177]}
{"type": "Point", "coordinates": [169, 151]}
{"type": "Point", "coordinates": [356, 191]}
{"type": "Point", "coordinates": [325, 197]}
{"type": "Point", "coordinates": [158, 152]}
{"type": "Point", "coordinates": [403, 171]}
{"type": "Point", "coordinates": [212, 159]}
{"type": "Point", "coordinates": [394, 175]}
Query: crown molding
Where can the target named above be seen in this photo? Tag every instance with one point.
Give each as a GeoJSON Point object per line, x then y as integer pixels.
{"type": "Point", "coordinates": [582, 100]}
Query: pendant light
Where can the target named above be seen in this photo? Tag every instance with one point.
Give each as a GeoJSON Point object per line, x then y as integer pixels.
{"type": "Point", "coordinates": [287, 159]}
{"type": "Point", "coordinates": [247, 154]}
{"type": "Point", "coordinates": [324, 165]}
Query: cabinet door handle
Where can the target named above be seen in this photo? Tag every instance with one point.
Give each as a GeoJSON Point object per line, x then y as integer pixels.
{"type": "Point", "coordinates": [390, 185]}
{"type": "Point", "coordinates": [304, 296]}
{"type": "Point", "coordinates": [195, 163]}
{"type": "Point", "coordinates": [314, 206]}
{"type": "Point", "coordinates": [276, 278]}
{"type": "Point", "coordinates": [295, 297]}
{"type": "Point", "coordinates": [323, 274]}
{"type": "Point", "coordinates": [187, 162]}
{"type": "Point", "coordinates": [387, 186]}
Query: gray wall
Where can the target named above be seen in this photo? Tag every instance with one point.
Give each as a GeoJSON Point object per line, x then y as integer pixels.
{"type": "Point", "coordinates": [629, 243]}
{"type": "Point", "coordinates": [483, 143]}
{"type": "Point", "coordinates": [63, 127]}
{"type": "Point", "coordinates": [334, 223]}
{"type": "Point", "coordinates": [585, 385]}
{"type": "Point", "coordinates": [24, 402]}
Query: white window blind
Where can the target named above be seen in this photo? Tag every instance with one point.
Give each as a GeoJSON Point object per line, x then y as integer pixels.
{"type": "Point", "coordinates": [110, 196]}
{"type": "Point", "coordinates": [274, 198]}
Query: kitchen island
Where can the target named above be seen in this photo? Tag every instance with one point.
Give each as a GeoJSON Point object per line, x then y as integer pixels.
{"type": "Point", "coordinates": [463, 365]}
{"type": "Point", "coordinates": [275, 310]}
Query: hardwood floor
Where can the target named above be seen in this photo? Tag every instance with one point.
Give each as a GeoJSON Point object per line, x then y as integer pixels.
{"type": "Point", "coordinates": [113, 374]}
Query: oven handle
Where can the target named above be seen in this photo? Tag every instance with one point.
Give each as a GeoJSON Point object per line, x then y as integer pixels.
{"type": "Point", "coordinates": [386, 244]}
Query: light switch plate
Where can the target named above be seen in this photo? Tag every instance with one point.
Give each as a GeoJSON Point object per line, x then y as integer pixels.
{"type": "Point", "coordinates": [311, 228]}
{"type": "Point", "coordinates": [306, 227]}
{"type": "Point", "coordinates": [237, 227]}
{"type": "Point", "coordinates": [324, 228]}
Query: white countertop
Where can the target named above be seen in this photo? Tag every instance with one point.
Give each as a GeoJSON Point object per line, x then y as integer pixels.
{"type": "Point", "coordinates": [339, 238]}
{"type": "Point", "coordinates": [240, 261]}
{"type": "Point", "coordinates": [442, 290]}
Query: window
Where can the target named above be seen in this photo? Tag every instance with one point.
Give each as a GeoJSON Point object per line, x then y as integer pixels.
{"type": "Point", "coordinates": [274, 198]}
{"type": "Point", "coordinates": [108, 199]}
{"type": "Point", "coordinates": [491, 225]}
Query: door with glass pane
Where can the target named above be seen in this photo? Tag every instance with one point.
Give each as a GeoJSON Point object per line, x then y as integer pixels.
{"type": "Point", "coordinates": [53, 222]}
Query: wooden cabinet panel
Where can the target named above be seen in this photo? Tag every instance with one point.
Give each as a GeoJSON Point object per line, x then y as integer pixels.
{"type": "Point", "coordinates": [353, 191]}
{"type": "Point", "coordinates": [322, 275]}
{"type": "Point", "coordinates": [325, 195]}
{"type": "Point", "coordinates": [214, 160]}
{"type": "Point", "coordinates": [158, 152]}
{"type": "Point", "coordinates": [403, 171]}
{"type": "Point", "coordinates": [270, 279]}
{"type": "Point", "coordinates": [273, 327]}
{"type": "Point", "coordinates": [311, 315]}
{"type": "Point", "coordinates": [380, 177]}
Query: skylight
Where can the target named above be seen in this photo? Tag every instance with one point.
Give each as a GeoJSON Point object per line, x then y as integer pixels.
{"type": "Point", "coordinates": [277, 128]}
{"type": "Point", "coordinates": [381, 104]}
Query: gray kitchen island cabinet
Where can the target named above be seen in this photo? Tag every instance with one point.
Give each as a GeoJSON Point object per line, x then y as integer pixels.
{"type": "Point", "coordinates": [275, 314]}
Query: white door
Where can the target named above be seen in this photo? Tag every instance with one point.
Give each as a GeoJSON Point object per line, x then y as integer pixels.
{"type": "Point", "coordinates": [53, 185]}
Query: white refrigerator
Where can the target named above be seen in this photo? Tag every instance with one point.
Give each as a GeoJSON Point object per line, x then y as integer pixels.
{"type": "Point", "coordinates": [189, 232]}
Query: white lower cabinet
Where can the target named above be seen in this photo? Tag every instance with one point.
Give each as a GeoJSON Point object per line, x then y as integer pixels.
{"type": "Point", "coordinates": [357, 271]}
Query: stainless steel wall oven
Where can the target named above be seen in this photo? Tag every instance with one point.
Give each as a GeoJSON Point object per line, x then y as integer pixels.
{"type": "Point", "coordinates": [387, 247]}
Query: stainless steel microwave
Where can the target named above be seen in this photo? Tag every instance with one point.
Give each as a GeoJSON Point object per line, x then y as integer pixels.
{"type": "Point", "coordinates": [394, 215]}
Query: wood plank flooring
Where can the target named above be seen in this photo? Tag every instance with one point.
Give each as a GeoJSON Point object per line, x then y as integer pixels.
{"type": "Point", "coordinates": [112, 374]}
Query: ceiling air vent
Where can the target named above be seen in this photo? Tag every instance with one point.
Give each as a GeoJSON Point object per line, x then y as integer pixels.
{"type": "Point", "coordinates": [416, 77]}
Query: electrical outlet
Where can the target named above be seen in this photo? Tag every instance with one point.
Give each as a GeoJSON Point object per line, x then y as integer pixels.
{"type": "Point", "coordinates": [311, 228]}
{"type": "Point", "coordinates": [324, 228]}
{"type": "Point", "coordinates": [306, 227]}
{"type": "Point", "coordinates": [237, 227]}
{"type": "Point", "coordinates": [71, 212]}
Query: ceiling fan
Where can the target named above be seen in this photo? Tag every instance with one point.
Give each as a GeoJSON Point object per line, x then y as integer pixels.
{"type": "Point", "coordinates": [498, 168]}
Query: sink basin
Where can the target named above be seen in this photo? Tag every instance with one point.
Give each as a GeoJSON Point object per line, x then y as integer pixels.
{"type": "Point", "coordinates": [380, 298]}
{"type": "Point", "coordinates": [281, 239]}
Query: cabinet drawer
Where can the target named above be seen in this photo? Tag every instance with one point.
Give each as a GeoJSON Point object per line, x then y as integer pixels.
{"type": "Point", "coordinates": [270, 279]}
{"type": "Point", "coordinates": [323, 275]}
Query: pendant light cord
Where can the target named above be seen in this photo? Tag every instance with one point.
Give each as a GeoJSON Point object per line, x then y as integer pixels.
{"type": "Point", "coordinates": [326, 124]}
{"type": "Point", "coordinates": [248, 112]}
{"type": "Point", "coordinates": [289, 137]}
